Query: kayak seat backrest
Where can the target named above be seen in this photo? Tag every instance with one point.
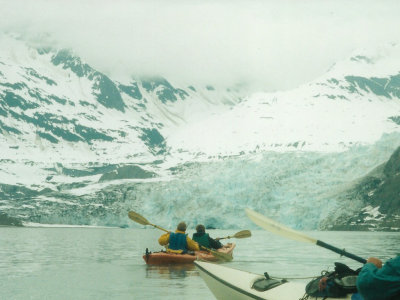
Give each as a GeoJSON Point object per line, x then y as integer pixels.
{"type": "Point", "coordinates": [264, 284]}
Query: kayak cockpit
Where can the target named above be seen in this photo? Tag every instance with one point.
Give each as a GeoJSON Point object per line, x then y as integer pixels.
{"type": "Point", "coordinates": [265, 283]}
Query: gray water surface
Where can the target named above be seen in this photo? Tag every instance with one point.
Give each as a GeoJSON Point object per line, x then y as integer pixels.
{"type": "Point", "coordinates": [106, 263]}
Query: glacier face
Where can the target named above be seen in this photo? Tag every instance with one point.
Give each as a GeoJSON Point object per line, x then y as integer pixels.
{"type": "Point", "coordinates": [297, 188]}
{"type": "Point", "coordinates": [300, 189]}
{"type": "Point", "coordinates": [79, 147]}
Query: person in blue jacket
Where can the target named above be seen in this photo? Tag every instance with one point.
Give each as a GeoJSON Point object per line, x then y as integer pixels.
{"type": "Point", "coordinates": [377, 282]}
{"type": "Point", "coordinates": [178, 241]}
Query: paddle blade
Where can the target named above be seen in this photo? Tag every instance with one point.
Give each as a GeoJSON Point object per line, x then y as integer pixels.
{"type": "Point", "coordinates": [277, 228]}
{"type": "Point", "coordinates": [222, 256]}
{"type": "Point", "coordinates": [138, 218]}
{"type": "Point", "coordinates": [242, 234]}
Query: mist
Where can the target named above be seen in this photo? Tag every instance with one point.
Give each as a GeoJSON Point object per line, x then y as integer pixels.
{"type": "Point", "coordinates": [272, 45]}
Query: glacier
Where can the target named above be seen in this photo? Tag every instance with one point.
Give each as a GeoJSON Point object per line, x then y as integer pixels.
{"type": "Point", "coordinates": [79, 147]}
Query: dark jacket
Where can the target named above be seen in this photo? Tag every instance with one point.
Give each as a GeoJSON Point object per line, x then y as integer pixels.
{"type": "Point", "coordinates": [205, 240]}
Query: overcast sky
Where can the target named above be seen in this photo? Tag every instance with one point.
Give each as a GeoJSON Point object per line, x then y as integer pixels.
{"type": "Point", "coordinates": [274, 44]}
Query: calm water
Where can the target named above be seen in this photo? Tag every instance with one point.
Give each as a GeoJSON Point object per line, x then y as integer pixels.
{"type": "Point", "coordinates": [98, 263]}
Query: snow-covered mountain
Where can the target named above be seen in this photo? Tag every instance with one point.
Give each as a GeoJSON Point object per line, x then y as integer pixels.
{"type": "Point", "coordinates": [354, 103]}
{"type": "Point", "coordinates": [80, 147]}
{"type": "Point", "coordinates": [380, 200]}
{"type": "Point", "coordinates": [55, 108]}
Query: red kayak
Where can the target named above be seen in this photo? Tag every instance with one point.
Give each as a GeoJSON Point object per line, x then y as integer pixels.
{"type": "Point", "coordinates": [165, 258]}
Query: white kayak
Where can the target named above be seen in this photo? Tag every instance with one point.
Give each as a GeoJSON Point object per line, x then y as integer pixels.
{"type": "Point", "coordinates": [234, 284]}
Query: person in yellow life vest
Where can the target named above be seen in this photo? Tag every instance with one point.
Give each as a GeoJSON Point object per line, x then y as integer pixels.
{"type": "Point", "coordinates": [178, 241]}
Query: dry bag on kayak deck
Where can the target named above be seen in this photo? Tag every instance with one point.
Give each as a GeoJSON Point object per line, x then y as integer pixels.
{"type": "Point", "coordinates": [338, 283]}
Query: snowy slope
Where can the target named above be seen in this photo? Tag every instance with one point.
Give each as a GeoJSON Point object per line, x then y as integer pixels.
{"type": "Point", "coordinates": [354, 103]}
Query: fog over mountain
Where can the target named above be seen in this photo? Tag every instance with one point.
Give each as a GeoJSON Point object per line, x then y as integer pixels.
{"type": "Point", "coordinates": [268, 44]}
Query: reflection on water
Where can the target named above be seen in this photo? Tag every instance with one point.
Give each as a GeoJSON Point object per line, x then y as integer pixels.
{"type": "Point", "coordinates": [171, 271]}
{"type": "Point", "coordinates": [108, 263]}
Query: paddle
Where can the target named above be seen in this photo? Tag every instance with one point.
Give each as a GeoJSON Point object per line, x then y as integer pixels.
{"type": "Point", "coordinates": [142, 220]}
{"type": "Point", "coordinates": [238, 235]}
{"type": "Point", "coordinates": [282, 230]}
{"type": "Point", "coordinates": [134, 216]}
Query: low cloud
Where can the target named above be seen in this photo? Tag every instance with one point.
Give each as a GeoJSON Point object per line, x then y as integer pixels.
{"type": "Point", "coordinates": [271, 44]}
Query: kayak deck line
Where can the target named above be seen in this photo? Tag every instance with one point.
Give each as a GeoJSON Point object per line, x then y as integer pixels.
{"type": "Point", "coordinates": [227, 283]}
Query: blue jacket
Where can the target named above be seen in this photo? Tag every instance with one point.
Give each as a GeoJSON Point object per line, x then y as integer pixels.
{"type": "Point", "coordinates": [177, 241]}
{"type": "Point", "coordinates": [380, 284]}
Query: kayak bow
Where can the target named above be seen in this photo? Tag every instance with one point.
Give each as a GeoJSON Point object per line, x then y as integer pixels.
{"type": "Point", "coordinates": [234, 284]}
